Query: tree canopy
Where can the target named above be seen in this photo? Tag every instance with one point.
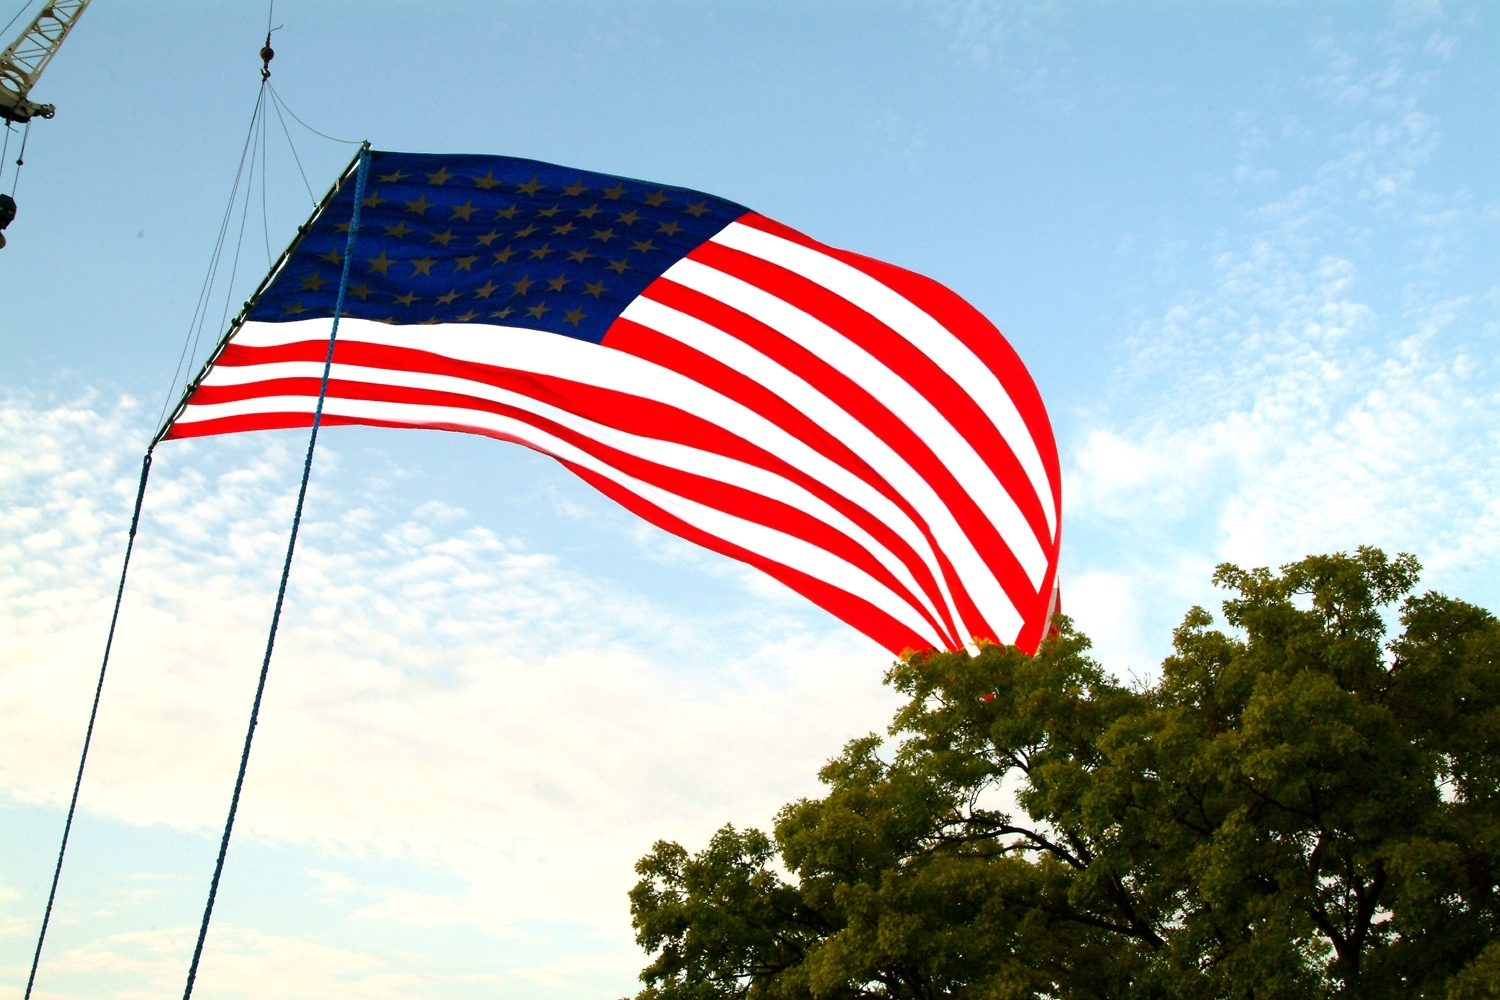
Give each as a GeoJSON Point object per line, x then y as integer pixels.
{"type": "Point", "coordinates": [1296, 807]}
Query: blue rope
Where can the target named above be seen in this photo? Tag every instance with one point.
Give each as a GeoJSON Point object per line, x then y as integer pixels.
{"type": "Point", "coordinates": [88, 736]}
{"type": "Point", "coordinates": [286, 570]}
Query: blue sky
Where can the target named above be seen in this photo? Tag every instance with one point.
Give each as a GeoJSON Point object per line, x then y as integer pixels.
{"type": "Point", "coordinates": [1248, 251]}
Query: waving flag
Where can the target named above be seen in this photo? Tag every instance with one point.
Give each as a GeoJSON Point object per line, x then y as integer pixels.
{"type": "Point", "coordinates": [855, 430]}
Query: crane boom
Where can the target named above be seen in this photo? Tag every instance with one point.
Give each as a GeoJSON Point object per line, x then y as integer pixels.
{"type": "Point", "coordinates": [21, 65]}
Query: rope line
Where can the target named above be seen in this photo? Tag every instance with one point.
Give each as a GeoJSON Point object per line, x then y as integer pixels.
{"type": "Point", "coordinates": [20, 160]}
{"type": "Point", "coordinates": [239, 244]}
{"type": "Point", "coordinates": [286, 570]}
{"type": "Point", "coordinates": [88, 736]}
{"type": "Point", "coordinates": [346, 176]}
{"type": "Point", "coordinates": [288, 133]}
{"type": "Point", "coordinates": [299, 121]}
{"type": "Point", "coordinates": [265, 170]}
{"type": "Point", "coordinates": [15, 18]}
{"type": "Point", "coordinates": [200, 311]}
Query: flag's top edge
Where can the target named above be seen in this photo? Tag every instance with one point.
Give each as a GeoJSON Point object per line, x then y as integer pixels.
{"type": "Point", "coordinates": [443, 162]}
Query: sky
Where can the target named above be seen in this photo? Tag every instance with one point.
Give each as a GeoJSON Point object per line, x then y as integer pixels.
{"type": "Point", "coordinates": [1247, 250]}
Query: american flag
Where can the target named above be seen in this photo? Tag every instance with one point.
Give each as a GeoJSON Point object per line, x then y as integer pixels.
{"type": "Point", "coordinates": [855, 430]}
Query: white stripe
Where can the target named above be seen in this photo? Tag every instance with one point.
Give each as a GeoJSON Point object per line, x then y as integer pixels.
{"type": "Point", "coordinates": [924, 332]}
{"type": "Point", "coordinates": [777, 546]}
{"type": "Point", "coordinates": [670, 454]}
{"type": "Point", "coordinates": [564, 357]}
{"type": "Point", "coordinates": [715, 343]}
{"type": "Point", "coordinates": [889, 389]}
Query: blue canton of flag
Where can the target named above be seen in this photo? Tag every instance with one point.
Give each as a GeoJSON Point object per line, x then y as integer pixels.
{"type": "Point", "coordinates": [495, 240]}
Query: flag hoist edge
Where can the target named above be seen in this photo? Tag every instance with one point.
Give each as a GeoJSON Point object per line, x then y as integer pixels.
{"type": "Point", "coordinates": [857, 431]}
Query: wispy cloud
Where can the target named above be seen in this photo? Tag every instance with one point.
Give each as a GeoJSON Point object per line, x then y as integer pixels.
{"type": "Point", "coordinates": [239, 962]}
{"type": "Point", "coordinates": [1325, 377]}
{"type": "Point", "coordinates": [439, 693]}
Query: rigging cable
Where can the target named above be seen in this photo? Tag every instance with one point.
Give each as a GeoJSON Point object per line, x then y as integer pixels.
{"type": "Point", "coordinates": [88, 735]}
{"type": "Point", "coordinates": [20, 160]}
{"type": "Point", "coordinates": [293, 146]}
{"type": "Point", "coordinates": [17, 16]}
{"type": "Point", "coordinates": [188, 354]}
{"type": "Point", "coordinates": [239, 245]}
{"type": "Point", "coordinates": [299, 121]}
{"type": "Point", "coordinates": [286, 571]}
{"type": "Point", "coordinates": [200, 311]}
{"type": "Point", "coordinates": [265, 168]}
{"type": "Point", "coordinates": [135, 519]}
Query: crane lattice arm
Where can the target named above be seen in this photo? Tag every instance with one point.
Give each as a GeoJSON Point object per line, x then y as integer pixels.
{"type": "Point", "coordinates": [21, 65]}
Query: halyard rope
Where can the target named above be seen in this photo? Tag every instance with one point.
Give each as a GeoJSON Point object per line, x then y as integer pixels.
{"type": "Point", "coordinates": [286, 570]}
{"type": "Point", "coordinates": [88, 736]}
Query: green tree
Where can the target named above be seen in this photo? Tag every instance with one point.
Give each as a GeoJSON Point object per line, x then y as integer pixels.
{"type": "Point", "coordinates": [1296, 808]}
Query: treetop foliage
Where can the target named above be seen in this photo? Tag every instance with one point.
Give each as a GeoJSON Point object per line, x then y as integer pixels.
{"type": "Point", "coordinates": [1298, 807]}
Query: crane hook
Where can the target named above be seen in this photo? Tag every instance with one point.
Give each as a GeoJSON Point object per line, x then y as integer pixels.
{"type": "Point", "coordinates": [266, 55]}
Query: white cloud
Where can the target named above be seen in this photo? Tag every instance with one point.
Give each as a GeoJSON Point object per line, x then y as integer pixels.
{"type": "Point", "coordinates": [1019, 43]}
{"type": "Point", "coordinates": [1292, 401]}
{"type": "Point", "coordinates": [438, 694]}
{"type": "Point", "coordinates": [239, 962]}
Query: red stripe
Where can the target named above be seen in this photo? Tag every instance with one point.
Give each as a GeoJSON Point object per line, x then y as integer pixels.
{"type": "Point", "coordinates": [647, 344]}
{"type": "Point", "coordinates": [855, 400]}
{"type": "Point", "coordinates": [841, 391]}
{"type": "Point", "coordinates": [1035, 617]}
{"type": "Point", "coordinates": [634, 414]}
{"type": "Point", "coordinates": [901, 357]}
{"type": "Point", "coordinates": [725, 497]}
{"type": "Point", "coordinates": [965, 322]}
{"type": "Point", "coordinates": [638, 414]}
{"type": "Point", "coordinates": [246, 422]}
{"type": "Point", "coordinates": [800, 362]}
{"type": "Point", "coordinates": [854, 611]}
